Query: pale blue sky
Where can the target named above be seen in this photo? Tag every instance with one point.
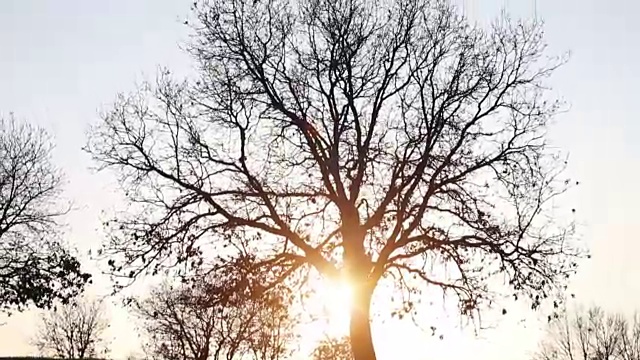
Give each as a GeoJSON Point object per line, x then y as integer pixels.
{"type": "Point", "coordinates": [61, 61]}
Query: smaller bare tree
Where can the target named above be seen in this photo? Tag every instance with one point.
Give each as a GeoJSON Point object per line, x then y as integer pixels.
{"type": "Point", "coordinates": [272, 332]}
{"type": "Point", "coordinates": [206, 320]}
{"type": "Point", "coordinates": [35, 266]}
{"type": "Point", "coordinates": [73, 331]}
{"type": "Point", "coordinates": [591, 335]}
{"type": "Point", "coordinates": [630, 345]}
{"type": "Point", "coordinates": [177, 328]}
{"type": "Point", "coordinates": [333, 349]}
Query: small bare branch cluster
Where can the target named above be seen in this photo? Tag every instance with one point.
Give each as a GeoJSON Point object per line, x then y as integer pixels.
{"type": "Point", "coordinates": [333, 349]}
{"type": "Point", "coordinates": [592, 335]}
{"type": "Point", "coordinates": [34, 265]}
{"type": "Point", "coordinates": [73, 331]}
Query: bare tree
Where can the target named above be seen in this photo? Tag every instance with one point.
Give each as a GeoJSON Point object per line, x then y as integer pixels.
{"type": "Point", "coordinates": [34, 265]}
{"type": "Point", "coordinates": [273, 335]}
{"type": "Point", "coordinates": [333, 349]}
{"type": "Point", "coordinates": [377, 140]}
{"type": "Point", "coordinates": [73, 331]}
{"type": "Point", "coordinates": [591, 335]}
{"type": "Point", "coordinates": [630, 344]}
{"type": "Point", "coordinates": [177, 327]}
{"type": "Point", "coordinates": [204, 321]}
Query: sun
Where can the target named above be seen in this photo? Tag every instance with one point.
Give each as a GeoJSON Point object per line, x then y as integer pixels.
{"type": "Point", "coordinates": [334, 298]}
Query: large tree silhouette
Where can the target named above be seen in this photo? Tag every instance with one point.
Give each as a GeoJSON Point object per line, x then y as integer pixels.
{"type": "Point", "coordinates": [376, 140]}
{"type": "Point", "coordinates": [36, 268]}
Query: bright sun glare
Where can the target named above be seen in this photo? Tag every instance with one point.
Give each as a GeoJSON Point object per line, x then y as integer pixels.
{"type": "Point", "coordinates": [335, 297]}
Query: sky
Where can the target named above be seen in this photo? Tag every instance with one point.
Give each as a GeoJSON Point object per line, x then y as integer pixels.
{"type": "Point", "coordinates": [62, 62]}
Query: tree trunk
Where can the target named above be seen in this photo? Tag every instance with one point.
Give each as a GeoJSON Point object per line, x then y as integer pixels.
{"type": "Point", "coordinates": [360, 326]}
{"type": "Point", "coordinates": [358, 267]}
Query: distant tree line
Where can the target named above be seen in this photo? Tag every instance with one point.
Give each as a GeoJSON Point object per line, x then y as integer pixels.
{"type": "Point", "coordinates": [185, 322]}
